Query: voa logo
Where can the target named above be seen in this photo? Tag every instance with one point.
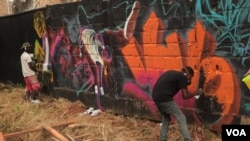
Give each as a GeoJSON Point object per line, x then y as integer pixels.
{"type": "Point", "coordinates": [236, 132]}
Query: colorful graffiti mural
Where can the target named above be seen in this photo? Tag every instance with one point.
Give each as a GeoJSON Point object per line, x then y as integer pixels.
{"type": "Point", "coordinates": [118, 49]}
{"type": "Point", "coordinates": [77, 52]}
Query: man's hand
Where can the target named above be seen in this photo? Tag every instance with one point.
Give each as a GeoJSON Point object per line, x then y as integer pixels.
{"type": "Point", "coordinates": [199, 93]}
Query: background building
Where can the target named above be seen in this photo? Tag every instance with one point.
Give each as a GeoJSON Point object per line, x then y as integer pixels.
{"type": "Point", "coordinates": [9, 7]}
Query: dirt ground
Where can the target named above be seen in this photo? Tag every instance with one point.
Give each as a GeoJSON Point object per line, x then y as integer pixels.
{"type": "Point", "coordinates": [59, 119]}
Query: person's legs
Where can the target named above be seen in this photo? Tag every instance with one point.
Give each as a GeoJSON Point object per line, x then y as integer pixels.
{"type": "Point", "coordinates": [164, 127]}
{"type": "Point", "coordinates": [35, 89]}
{"type": "Point", "coordinates": [27, 89]}
{"type": "Point", "coordinates": [27, 95]}
{"type": "Point", "coordinates": [35, 92]}
{"type": "Point", "coordinates": [165, 121]}
{"type": "Point", "coordinates": [181, 120]}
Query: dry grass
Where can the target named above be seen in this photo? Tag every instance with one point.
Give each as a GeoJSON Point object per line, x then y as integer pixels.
{"type": "Point", "coordinates": [23, 121]}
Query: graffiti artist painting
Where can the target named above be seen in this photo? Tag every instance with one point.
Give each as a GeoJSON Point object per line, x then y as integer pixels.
{"type": "Point", "coordinates": [29, 73]}
{"type": "Point", "coordinates": [166, 87]}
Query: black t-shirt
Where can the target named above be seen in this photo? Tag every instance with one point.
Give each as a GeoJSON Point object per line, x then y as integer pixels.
{"type": "Point", "coordinates": [168, 85]}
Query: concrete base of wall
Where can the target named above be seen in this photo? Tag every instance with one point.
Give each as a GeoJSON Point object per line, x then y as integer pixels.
{"type": "Point", "coordinates": [121, 106]}
{"type": "Point", "coordinates": [135, 108]}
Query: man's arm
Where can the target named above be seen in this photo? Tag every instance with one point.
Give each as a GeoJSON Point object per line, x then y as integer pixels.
{"type": "Point", "coordinates": [32, 65]}
{"type": "Point", "coordinates": [186, 94]}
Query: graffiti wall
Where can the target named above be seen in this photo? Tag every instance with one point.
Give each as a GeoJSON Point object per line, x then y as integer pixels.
{"type": "Point", "coordinates": [109, 54]}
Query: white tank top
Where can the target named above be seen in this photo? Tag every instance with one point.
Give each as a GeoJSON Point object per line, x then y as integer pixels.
{"type": "Point", "coordinates": [25, 59]}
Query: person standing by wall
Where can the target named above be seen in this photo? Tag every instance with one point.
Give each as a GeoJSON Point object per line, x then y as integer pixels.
{"type": "Point", "coordinates": [29, 73]}
{"type": "Point", "coordinates": [165, 88]}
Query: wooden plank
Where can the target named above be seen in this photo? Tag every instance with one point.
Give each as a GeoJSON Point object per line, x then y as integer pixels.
{"type": "Point", "coordinates": [36, 129]}
{"type": "Point", "coordinates": [1, 137]}
{"type": "Point", "coordinates": [55, 133]}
